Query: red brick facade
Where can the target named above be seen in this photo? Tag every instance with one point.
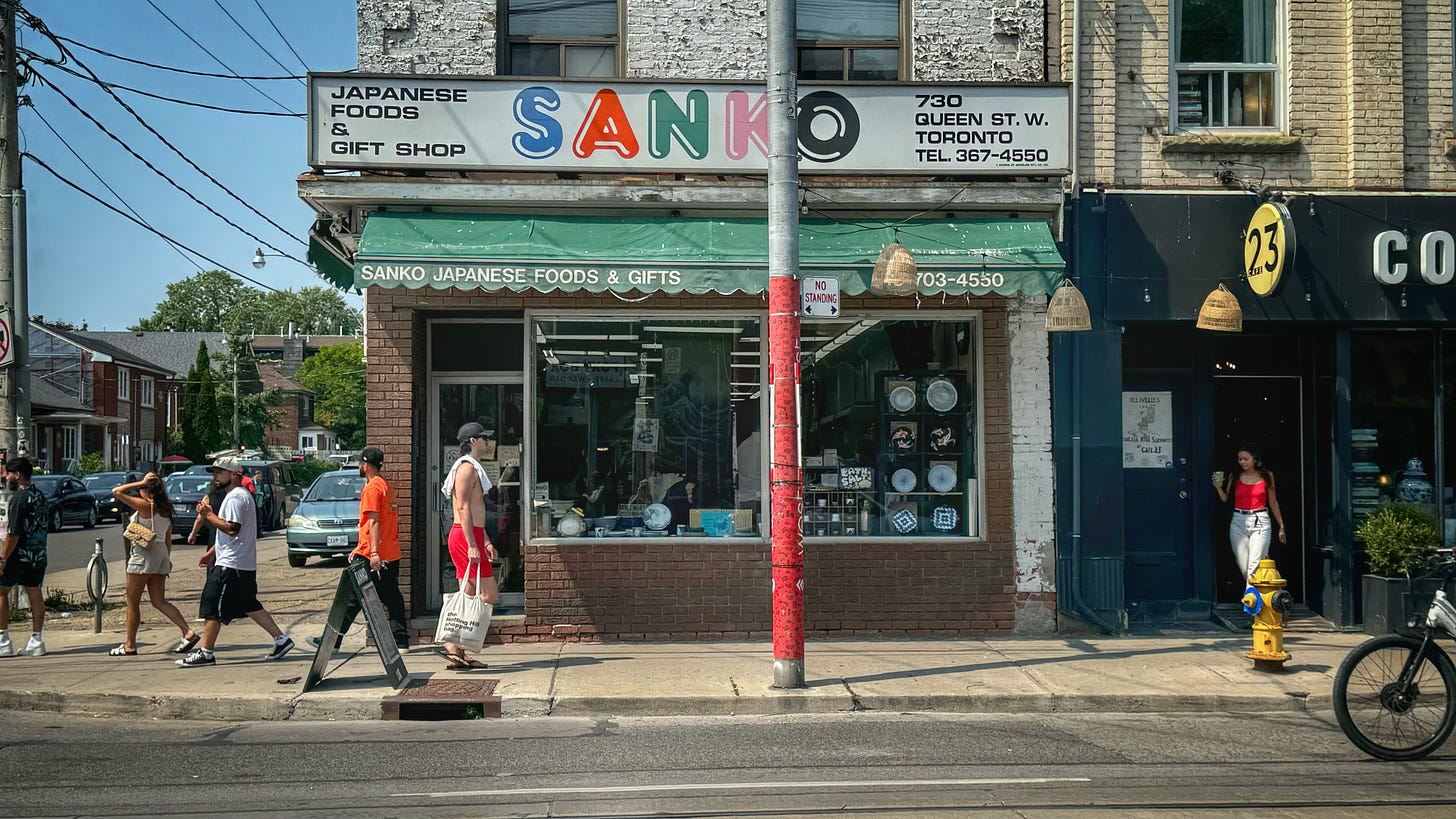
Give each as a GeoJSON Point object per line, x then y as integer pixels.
{"type": "Point", "coordinates": [626, 590]}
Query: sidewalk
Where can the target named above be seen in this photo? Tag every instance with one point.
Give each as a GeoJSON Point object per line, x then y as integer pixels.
{"type": "Point", "coordinates": [1190, 673]}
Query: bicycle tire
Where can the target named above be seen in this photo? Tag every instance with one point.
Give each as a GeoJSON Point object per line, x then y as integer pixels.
{"type": "Point", "coordinates": [1377, 717]}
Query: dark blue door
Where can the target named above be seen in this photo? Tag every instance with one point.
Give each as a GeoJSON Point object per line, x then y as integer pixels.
{"type": "Point", "coordinates": [1157, 488]}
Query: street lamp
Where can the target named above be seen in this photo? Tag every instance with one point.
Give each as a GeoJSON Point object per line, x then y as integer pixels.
{"type": "Point", "coordinates": [260, 258]}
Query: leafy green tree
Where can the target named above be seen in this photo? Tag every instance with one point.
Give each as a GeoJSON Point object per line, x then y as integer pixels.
{"type": "Point", "coordinates": [311, 311]}
{"type": "Point", "coordinates": [216, 301]}
{"type": "Point", "coordinates": [335, 374]}
{"type": "Point", "coordinates": [201, 425]}
{"type": "Point", "coordinates": [257, 407]}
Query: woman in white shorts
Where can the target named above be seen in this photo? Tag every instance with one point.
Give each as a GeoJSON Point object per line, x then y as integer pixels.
{"type": "Point", "coordinates": [147, 566]}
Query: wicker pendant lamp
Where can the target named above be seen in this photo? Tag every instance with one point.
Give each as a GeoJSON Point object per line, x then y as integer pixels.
{"type": "Point", "coordinates": [894, 273]}
{"type": "Point", "coordinates": [1221, 312]}
{"type": "Point", "coordinates": [1067, 311]}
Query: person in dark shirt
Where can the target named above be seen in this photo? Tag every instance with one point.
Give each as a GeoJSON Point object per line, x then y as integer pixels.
{"type": "Point", "coordinates": [23, 555]}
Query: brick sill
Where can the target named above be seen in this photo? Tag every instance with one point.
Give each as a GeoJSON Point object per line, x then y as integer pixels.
{"type": "Point", "coordinates": [1230, 144]}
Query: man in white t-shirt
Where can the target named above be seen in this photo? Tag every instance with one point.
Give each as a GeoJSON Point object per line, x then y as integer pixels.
{"type": "Point", "coordinates": [231, 590]}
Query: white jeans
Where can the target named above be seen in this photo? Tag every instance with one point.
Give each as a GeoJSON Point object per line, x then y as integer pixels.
{"type": "Point", "coordinates": [1249, 534]}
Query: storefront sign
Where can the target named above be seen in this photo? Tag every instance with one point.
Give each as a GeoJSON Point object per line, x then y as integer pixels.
{"type": "Point", "coordinates": [819, 296]}
{"type": "Point", "coordinates": [1268, 247]}
{"type": "Point", "coordinates": [567, 376]}
{"type": "Point", "coordinates": [1437, 257]}
{"type": "Point", "coordinates": [358, 121]}
{"type": "Point", "coordinates": [1147, 430]}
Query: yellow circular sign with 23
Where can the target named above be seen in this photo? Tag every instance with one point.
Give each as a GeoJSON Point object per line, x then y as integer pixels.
{"type": "Point", "coordinates": [1268, 247]}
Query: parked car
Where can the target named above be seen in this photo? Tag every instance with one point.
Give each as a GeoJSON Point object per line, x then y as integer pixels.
{"type": "Point", "coordinates": [270, 490]}
{"type": "Point", "coordinates": [326, 523]}
{"type": "Point", "coordinates": [100, 484]}
{"type": "Point", "coordinates": [185, 490]}
{"type": "Point", "coordinates": [68, 500]}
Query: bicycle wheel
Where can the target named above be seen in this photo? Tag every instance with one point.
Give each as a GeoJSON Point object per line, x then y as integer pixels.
{"type": "Point", "coordinates": [1388, 720]}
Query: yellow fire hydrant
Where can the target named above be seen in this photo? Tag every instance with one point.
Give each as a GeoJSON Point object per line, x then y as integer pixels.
{"type": "Point", "coordinates": [1266, 599]}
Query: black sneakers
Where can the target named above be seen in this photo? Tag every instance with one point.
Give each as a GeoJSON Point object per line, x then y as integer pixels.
{"type": "Point", "coordinates": [197, 658]}
{"type": "Point", "coordinates": [279, 649]}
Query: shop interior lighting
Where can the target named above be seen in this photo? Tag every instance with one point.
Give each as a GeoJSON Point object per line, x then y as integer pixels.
{"type": "Point", "coordinates": [745, 366]}
{"type": "Point", "coordinates": [652, 345]}
{"type": "Point", "coordinates": [675, 329]}
{"type": "Point", "coordinates": [574, 337]}
{"type": "Point", "coordinates": [646, 360]}
{"type": "Point", "coordinates": [746, 353]}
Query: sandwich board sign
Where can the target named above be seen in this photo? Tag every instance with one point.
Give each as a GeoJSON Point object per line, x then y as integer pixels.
{"type": "Point", "coordinates": [356, 594]}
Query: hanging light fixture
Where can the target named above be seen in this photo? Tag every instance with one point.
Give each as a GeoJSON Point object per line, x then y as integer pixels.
{"type": "Point", "coordinates": [894, 273]}
{"type": "Point", "coordinates": [1221, 311]}
{"type": "Point", "coordinates": [1067, 312]}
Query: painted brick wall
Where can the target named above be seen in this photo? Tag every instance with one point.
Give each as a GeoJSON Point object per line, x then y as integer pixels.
{"type": "Point", "coordinates": [996, 41]}
{"type": "Point", "coordinates": [724, 39]}
{"type": "Point", "coordinates": [1369, 98]}
{"type": "Point", "coordinates": [1034, 486]}
{"type": "Point", "coordinates": [669, 591]}
{"type": "Point", "coordinates": [427, 36]}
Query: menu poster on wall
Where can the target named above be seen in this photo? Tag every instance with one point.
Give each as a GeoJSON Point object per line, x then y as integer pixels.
{"type": "Point", "coordinates": [1147, 430]}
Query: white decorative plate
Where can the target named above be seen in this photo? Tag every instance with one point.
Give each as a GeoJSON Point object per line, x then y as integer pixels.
{"type": "Point", "coordinates": [656, 517]}
{"type": "Point", "coordinates": [904, 521]}
{"type": "Point", "coordinates": [571, 526]}
{"type": "Point", "coordinates": [941, 478]}
{"type": "Point", "coordinates": [903, 480]}
{"type": "Point", "coordinates": [941, 395]}
{"type": "Point", "coordinates": [902, 399]}
{"type": "Point", "coordinates": [944, 518]}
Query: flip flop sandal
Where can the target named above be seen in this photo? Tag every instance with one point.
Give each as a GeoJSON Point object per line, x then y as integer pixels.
{"type": "Point", "coordinates": [187, 644]}
{"type": "Point", "coordinates": [462, 663]}
{"type": "Point", "coordinates": [121, 651]}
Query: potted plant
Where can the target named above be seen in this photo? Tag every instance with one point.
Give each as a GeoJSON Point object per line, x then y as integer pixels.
{"type": "Point", "coordinates": [1399, 539]}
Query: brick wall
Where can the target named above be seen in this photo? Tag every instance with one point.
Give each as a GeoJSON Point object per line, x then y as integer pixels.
{"type": "Point", "coordinates": [1031, 463]}
{"type": "Point", "coordinates": [670, 591]}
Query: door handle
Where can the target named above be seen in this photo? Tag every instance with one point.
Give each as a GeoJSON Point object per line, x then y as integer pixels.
{"type": "Point", "coordinates": [1183, 494]}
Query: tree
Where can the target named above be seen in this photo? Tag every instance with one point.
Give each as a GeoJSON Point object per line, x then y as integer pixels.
{"type": "Point", "coordinates": [201, 426]}
{"type": "Point", "coordinates": [335, 374]}
{"type": "Point", "coordinates": [215, 301]}
{"type": "Point", "coordinates": [257, 407]}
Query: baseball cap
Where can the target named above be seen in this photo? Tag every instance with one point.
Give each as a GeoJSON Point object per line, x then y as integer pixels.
{"type": "Point", "coordinates": [226, 464]}
{"type": "Point", "coordinates": [470, 430]}
{"type": "Point", "coordinates": [372, 455]}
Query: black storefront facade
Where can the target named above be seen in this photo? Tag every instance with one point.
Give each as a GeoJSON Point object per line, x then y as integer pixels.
{"type": "Point", "coordinates": [1345, 376]}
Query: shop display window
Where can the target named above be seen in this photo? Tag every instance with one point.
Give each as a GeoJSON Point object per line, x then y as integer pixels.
{"type": "Point", "coordinates": [647, 427]}
{"type": "Point", "coordinates": [1392, 413]}
{"type": "Point", "coordinates": [890, 435]}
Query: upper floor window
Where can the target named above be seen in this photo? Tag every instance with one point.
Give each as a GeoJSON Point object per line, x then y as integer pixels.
{"type": "Point", "coordinates": [147, 386]}
{"type": "Point", "coordinates": [561, 38]}
{"type": "Point", "coordinates": [849, 40]}
{"type": "Point", "coordinates": [1226, 58]}
{"type": "Point", "coordinates": [123, 383]}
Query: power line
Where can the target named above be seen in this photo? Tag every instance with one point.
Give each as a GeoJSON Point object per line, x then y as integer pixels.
{"type": "Point", "coordinates": [219, 265]}
{"type": "Point", "coordinates": [173, 69]}
{"type": "Point", "coordinates": [104, 183]}
{"type": "Point", "coordinates": [104, 84]}
{"type": "Point", "coordinates": [281, 36]}
{"type": "Point", "coordinates": [40, 27]}
{"type": "Point", "coordinates": [250, 36]}
{"type": "Point", "coordinates": [215, 57]}
{"type": "Point", "coordinates": [158, 171]}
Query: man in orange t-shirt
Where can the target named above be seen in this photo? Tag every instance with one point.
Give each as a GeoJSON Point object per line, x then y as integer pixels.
{"type": "Point", "coordinates": [379, 540]}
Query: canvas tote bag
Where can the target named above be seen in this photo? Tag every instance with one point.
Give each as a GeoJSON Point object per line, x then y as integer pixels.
{"type": "Point", "coordinates": [465, 618]}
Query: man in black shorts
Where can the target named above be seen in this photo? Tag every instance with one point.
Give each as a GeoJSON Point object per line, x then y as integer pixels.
{"type": "Point", "coordinates": [231, 590]}
{"type": "Point", "coordinates": [23, 555]}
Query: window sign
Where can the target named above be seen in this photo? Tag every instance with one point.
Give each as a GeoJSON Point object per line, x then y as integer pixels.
{"type": "Point", "coordinates": [1147, 430]}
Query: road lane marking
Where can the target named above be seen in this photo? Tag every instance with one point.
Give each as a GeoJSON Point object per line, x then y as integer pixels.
{"type": "Point", "coordinates": [744, 786]}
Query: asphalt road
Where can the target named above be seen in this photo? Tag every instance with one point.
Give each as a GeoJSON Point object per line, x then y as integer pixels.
{"type": "Point", "coordinates": [71, 547]}
{"type": "Point", "coordinates": [862, 765]}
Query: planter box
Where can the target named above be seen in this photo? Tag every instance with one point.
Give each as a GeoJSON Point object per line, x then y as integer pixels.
{"type": "Point", "coordinates": [1383, 607]}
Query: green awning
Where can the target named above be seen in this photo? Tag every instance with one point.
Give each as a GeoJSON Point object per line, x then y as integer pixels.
{"type": "Point", "coordinates": [676, 255]}
{"type": "Point", "coordinates": [329, 258]}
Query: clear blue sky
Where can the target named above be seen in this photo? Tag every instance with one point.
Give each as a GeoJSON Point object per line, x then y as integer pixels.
{"type": "Point", "coordinates": [88, 264]}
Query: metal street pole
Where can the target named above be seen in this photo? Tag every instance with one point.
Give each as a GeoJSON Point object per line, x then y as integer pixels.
{"type": "Point", "coordinates": [15, 380]}
{"type": "Point", "coordinates": [785, 475]}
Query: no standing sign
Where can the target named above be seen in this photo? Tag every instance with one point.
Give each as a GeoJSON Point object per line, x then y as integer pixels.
{"type": "Point", "coordinates": [7, 348]}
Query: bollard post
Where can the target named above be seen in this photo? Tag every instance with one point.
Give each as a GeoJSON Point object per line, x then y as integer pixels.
{"type": "Point", "coordinates": [96, 582]}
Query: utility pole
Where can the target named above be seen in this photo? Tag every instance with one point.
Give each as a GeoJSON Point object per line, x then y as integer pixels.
{"type": "Point", "coordinates": [236, 360]}
{"type": "Point", "coordinates": [786, 479]}
{"type": "Point", "coordinates": [15, 378]}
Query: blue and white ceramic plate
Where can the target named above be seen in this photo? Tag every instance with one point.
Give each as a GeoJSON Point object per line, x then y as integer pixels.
{"type": "Point", "coordinates": [656, 517]}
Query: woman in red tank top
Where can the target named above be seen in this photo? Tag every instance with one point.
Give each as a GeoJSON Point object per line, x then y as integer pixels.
{"type": "Point", "coordinates": [1252, 491]}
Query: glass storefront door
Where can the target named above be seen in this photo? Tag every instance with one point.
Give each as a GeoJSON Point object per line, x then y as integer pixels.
{"type": "Point", "coordinates": [497, 403]}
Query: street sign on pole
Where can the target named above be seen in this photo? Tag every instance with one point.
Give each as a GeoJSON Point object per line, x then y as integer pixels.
{"type": "Point", "coordinates": [819, 296]}
{"type": "Point", "coordinates": [7, 339]}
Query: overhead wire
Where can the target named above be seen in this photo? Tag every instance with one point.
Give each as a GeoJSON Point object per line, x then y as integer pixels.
{"type": "Point", "coordinates": [281, 35]}
{"type": "Point", "coordinates": [40, 27]}
{"type": "Point", "coordinates": [106, 184]}
{"type": "Point", "coordinates": [158, 171]}
{"type": "Point", "coordinates": [104, 84]}
{"type": "Point", "coordinates": [173, 69]}
{"type": "Point", "coordinates": [118, 211]}
{"type": "Point", "coordinates": [215, 58]}
{"type": "Point", "coordinates": [250, 36]}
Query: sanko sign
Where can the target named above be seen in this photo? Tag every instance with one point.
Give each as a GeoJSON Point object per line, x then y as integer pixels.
{"type": "Point", "coordinates": [1437, 258]}
{"type": "Point", "coordinates": [445, 123]}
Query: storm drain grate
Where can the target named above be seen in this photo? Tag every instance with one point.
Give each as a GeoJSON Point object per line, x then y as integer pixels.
{"type": "Point", "coordinates": [434, 699]}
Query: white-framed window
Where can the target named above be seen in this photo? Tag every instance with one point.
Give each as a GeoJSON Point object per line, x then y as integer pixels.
{"type": "Point", "coordinates": [307, 442]}
{"type": "Point", "coordinates": [70, 443]}
{"type": "Point", "coordinates": [1227, 59]}
{"type": "Point", "coordinates": [147, 386]}
{"type": "Point", "coordinates": [123, 383]}
{"type": "Point", "coordinates": [147, 452]}
{"type": "Point", "coordinates": [849, 40]}
{"type": "Point", "coordinates": [560, 38]}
